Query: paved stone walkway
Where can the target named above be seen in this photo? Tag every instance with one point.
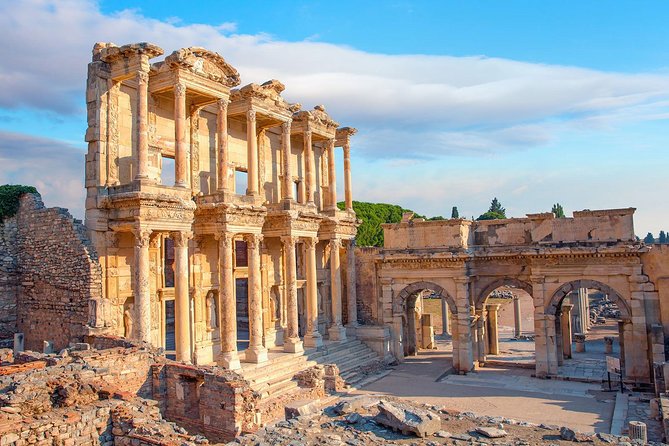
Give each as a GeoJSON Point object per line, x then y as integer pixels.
{"type": "Point", "coordinates": [639, 410]}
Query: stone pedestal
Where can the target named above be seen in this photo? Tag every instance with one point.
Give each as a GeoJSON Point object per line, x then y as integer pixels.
{"type": "Point", "coordinates": [608, 344]}
{"type": "Point", "coordinates": [580, 342]}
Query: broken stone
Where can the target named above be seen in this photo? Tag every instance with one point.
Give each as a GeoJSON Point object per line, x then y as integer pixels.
{"type": "Point", "coordinates": [301, 408]}
{"type": "Point", "coordinates": [491, 432]}
{"type": "Point", "coordinates": [442, 434]}
{"type": "Point", "coordinates": [408, 419]}
{"type": "Point", "coordinates": [567, 434]}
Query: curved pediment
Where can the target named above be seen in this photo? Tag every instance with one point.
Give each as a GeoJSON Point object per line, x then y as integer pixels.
{"type": "Point", "coordinates": [205, 63]}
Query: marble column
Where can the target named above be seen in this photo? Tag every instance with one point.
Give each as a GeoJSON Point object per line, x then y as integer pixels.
{"type": "Point", "coordinates": [517, 317]}
{"type": "Point", "coordinates": [286, 160]}
{"type": "Point", "coordinates": [312, 338]}
{"type": "Point", "coordinates": [309, 168]}
{"type": "Point", "coordinates": [142, 125]}
{"type": "Point", "coordinates": [585, 309]}
{"type": "Point", "coordinates": [292, 342]}
{"type": "Point", "coordinates": [336, 331]}
{"type": "Point", "coordinates": [181, 296]}
{"type": "Point", "coordinates": [180, 147]}
{"type": "Point", "coordinates": [252, 153]}
{"type": "Point", "coordinates": [348, 194]}
{"type": "Point", "coordinates": [223, 156]}
{"type": "Point", "coordinates": [493, 329]}
{"type": "Point", "coordinates": [332, 175]}
{"type": "Point", "coordinates": [142, 290]}
{"type": "Point", "coordinates": [256, 352]}
{"type": "Point", "coordinates": [444, 316]}
{"type": "Point", "coordinates": [352, 296]}
{"type": "Point", "coordinates": [227, 308]}
{"type": "Point", "coordinates": [565, 326]}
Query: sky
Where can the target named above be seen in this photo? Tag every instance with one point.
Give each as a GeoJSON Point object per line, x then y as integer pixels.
{"type": "Point", "coordinates": [455, 102]}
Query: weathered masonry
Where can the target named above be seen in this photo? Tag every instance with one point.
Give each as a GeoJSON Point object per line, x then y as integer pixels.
{"type": "Point", "coordinates": [548, 257]}
{"type": "Point", "coordinates": [214, 209]}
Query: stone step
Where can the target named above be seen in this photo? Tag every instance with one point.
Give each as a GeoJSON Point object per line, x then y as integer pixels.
{"type": "Point", "coordinates": [274, 365]}
{"type": "Point", "coordinates": [343, 354]}
{"type": "Point", "coordinates": [271, 390]}
{"type": "Point", "coordinates": [286, 372]}
{"type": "Point", "coordinates": [352, 363]}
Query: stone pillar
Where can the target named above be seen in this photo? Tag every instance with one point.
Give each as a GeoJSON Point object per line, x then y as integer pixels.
{"type": "Point", "coordinates": [142, 125]}
{"type": "Point", "coordinates": [584, 309]}
{"type": "Point", "coordinates": [309, 168]}
{"type": "Point", "coordinates": [332, 175]}
{"type": "Point", "coordinates": [223, 155]}
{"type": "Point", "coordinates": [252, 153]}
{"type": "Point", "coordinates": [180, 147]}
{"type": "Point", "coordinates": [227, 305]}
{"type": "Point", "coordinates": [291, 342]}
{"type": "Point", "coordinates": [608, 344]}
{"type": "Point", "coordinates": [348, 194]}
{"type": "Point", "coordinates": [337, 332]}
{"type": "Point", "coordinates": [256, 352]}
{"type": "Point", "coordinates": [517, 317]}
{"type": "Point", "coordinates": [181, 296]}
{"type": "Point", "coordinates": [142, 291]}
{"type": "Point", "coordinates": [287, 166]}
{"type": "Point", "coordinates": [312, 338]}
{"type": "Point", "coordinates": [444, 317]}
{"type": "Point", "coordinates": [493, 329]}
{"type": "Point", "coordinates": [464, 329]}
{"type": "Point", "coordinates": [580, 342]}
{"type": "Point", "coordinates": [565, 325]}
{"type": "Point", "coordinates": [482, 345]}
{"type": "Point", "coordinates": [352, 307]}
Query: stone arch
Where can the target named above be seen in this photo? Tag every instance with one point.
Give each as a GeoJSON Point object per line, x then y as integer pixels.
{"type": "Point", "coordinates": [481, 298]}
{"type": "Point", "coordinates": [564, 290]}
{"type": "Point", "coordinates": [423, 285]}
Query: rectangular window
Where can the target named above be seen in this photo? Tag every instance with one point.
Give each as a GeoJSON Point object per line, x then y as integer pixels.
{"type": "Point", "coordinates": [167, 171]}
{"type": "Point", "coordinates": [241, 181]}
{"type": "Point", "coordinates": [241, 254]}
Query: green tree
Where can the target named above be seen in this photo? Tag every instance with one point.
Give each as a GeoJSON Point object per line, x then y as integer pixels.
{"type": "Point", "coordinates": [557, 210]}
{"type": "Point", "coordinates": [496, 211]}
{"type": "Point", "coordinates": [663, 237]}
{"type": "Point", "coordinates": [454, 212]}
{"type": "Point", "coordinates": [9, 198]}
{"type": "Point", "coordinates": [649, 238]}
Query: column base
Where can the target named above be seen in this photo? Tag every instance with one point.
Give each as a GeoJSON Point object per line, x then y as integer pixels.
{"type": "Point", "coordinates": [313, 340]}
{"type": "Point", "coordinates": [293, 345]}
{"type": "Point", "coordinates": [256, 355]}
{"type": "Point", "coordinates": [229, 360]}
{"type": "Point", "coordinates": [337, 333]}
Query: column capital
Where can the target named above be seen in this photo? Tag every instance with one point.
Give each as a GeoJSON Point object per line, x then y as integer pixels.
{"type": "Point", "coordinates": [285, 126]}
{"type": "Point", "coordinates": [289, 240]}
{"type": "Point", "coordinates": [142, 237]}
{"type": "Point", "coordinates": [224, 238]}
{"type": "Point", "coordinates": [179, 89]}
{"type": "Point", "coordinates": [307, 134]}
{"type": "Point", "coordinates": [253, 240]}
{"type": "Point", "coordinates": [310, 242]}
{"type": "Point", "coordinates": [142, 77]}
{"type": "Point", "coordinates": [223, 104]}
{"type": "Point", "coordinates": [335, 243]}
{"type": "Point", "coordinates": [251, 115]}
{"type": "Point", "coordinates": [350, 243]}
{"type": "Point", "coordinates": [181, 238]}
{"type": "Point", "coordinates": [330, 144]}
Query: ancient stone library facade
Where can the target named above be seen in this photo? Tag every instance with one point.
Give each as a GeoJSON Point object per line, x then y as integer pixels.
{"type": "Point", "coordinates": [214, 209]}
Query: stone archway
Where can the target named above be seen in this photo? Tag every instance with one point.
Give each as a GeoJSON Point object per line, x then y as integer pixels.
{"type": "Point", "coordinates": [504, 281]}
{"type": "Point", "coordinates": [569, 287]}
{"type": "Point", "coordinates": [415, 287]}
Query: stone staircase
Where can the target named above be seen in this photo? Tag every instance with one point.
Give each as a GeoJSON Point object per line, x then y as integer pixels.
{"type": "Point", "coordinates": [275, 377]}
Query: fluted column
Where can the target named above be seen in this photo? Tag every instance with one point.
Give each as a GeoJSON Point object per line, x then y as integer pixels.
{"type": "Point", "coordinates": [337, 332]}
{"type": "Point", "coordinates": [142, 125]}
{"type": "Point", "coordinates": [348, 194]}
{"type": "Point", "coordinates": [309, 167]}
{"type": "Point", "coordinates": [180, 147]}
{"type": "Point", "coordinates": [223, 158]}
{"type": "Point", "coordinates": [312, 338]}
{"type": "Point", "coordinates": [291, 342]}
{"type": "Point", "coordinates": [352, 307]}
{"type": "Point", "coordinates": [181, 297]}
{"type": "Point", "coordinates": [142, 291]}
{"type": "Point", "coordinates": [332, 175]}
{"type": "Point", "coordinates": [227, 307]}
{"type": "Point", "coordinates": [517, 317]}
{"type": "Point", "coordinates": [256, 352]}
{"type": "Point", "coordinates": [286, 158]}
{"type": "Point", "coordinates": [493, 329]}
{"type": "Point", "coordinates": [252, 153]}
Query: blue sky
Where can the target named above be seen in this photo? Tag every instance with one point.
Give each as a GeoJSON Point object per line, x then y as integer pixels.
{"type": "Point", "coordinates": [455, 102]}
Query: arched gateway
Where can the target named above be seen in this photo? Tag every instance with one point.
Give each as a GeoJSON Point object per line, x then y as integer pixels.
{"type": "Point", "coordinates": [548, 258]}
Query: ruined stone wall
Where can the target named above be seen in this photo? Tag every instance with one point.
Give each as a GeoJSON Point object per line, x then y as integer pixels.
{"type": "Point", "coordinates": [9, 280]}
{"type": "Point", "coordinates": [217, 403]}
{"type": "Point", "coordinates": [59, 275]}
{"type": "Point", "coordinates": [366, 289]}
